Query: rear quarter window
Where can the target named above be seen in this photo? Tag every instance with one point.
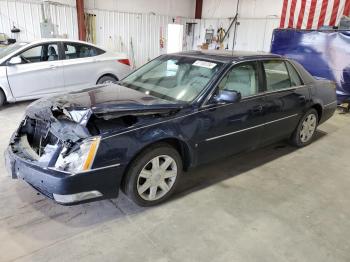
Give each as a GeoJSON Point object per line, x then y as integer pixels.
{"type": "Point", "coordinates": [77, 50]}
{"type": "Point", "coordinates": [294, 75]}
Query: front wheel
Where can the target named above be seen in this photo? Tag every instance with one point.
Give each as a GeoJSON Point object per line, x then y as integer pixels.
{"type": "Point", "coordinates": [305, 131]}
{"type": "Point", "coordinates": [153, 175]}
{"type": "Point", "coordinates": [2, 98]}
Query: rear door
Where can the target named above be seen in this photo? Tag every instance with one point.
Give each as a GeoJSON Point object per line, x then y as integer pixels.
{"type": "Point", "coordinates": [285, 100]}
{"type": "Point", "coordinates": [80, 67]}
{"type": "Point", "coordinates": [40, 72]}
{"type": "Point", "coordinates": [227, 129]}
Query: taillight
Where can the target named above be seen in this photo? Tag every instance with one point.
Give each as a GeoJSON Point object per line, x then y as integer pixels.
{"type": "Point", "coordinates": [124, 61]}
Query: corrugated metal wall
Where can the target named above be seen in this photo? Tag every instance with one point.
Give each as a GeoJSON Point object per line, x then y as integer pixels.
{"type": "Point", "coordinates": [115, 30]}
{"type": "Point", "coordinates": [27, 15]}
{"type": "Point", "coordinates": [253, 34]}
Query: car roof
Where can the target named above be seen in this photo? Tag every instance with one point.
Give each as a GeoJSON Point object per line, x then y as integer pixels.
{"type": "Point", "coordinates": [226, 56]}
{"type": "Point", "coordinates": [45, 40]}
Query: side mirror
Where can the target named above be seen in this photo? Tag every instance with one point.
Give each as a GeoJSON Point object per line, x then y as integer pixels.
{"type": "Point", "coordinates": [226, 96]}
{"type": "Point", "coordinates": [15, 60]}
{"type": "Point", "coordinates": [11, 40]}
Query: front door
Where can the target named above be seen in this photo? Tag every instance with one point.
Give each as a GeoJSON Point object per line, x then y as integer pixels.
{"type": "Point", "coordinates": [40, 72]}
{"type": "Point", "coordinates": [230, 128]}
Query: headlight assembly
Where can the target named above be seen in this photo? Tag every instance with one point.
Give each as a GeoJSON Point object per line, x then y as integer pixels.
{"type": "Point", "coordinates": [80, 159]}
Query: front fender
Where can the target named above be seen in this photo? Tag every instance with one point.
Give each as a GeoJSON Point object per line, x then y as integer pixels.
{"type": "Point", "coordinates": [4, 85]}
{"type": "Point", "coordinates": [121, 149]}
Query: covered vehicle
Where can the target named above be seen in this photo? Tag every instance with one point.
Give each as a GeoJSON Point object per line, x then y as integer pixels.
{"type": "Point", "coordinates": [30, 70]}
{"type": "Point", "coordinates": [175, 112]}
{"type": "Point", "coordinates": [325, 54]}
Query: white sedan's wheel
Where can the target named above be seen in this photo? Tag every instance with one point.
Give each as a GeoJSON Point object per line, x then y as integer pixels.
{"type": "Point", "coordinates": [157, 178]}
{"type": "Point", "coordinates": [2, 97]}
{"type": "Point", "coordinates": [107, 80]}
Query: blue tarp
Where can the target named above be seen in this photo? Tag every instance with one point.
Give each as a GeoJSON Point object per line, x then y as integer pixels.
{"type": "Point", "coordinates": [324, 54]}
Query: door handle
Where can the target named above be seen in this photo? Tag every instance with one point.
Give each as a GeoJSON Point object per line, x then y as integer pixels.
{"type": "Point", "coordinates": [258, 109]}
{"type": "Point", "coordinates": [302, 99]}
{"type": "Point", "coordinates": [53, 67]}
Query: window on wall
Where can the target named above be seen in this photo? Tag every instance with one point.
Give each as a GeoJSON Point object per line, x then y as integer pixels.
{"type": "Point", "coordinates": [277, 76]}
{"type": "Point", "coordinates": [242, 78]}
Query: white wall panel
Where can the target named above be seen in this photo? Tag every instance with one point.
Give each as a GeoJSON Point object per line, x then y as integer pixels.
{"type": "Point", "coordinates": [27, 15]}
{"type": "Point", "coordinates": [255, 34]}
{"type": "Point", "coordinates": [183, 8]}
{"type": "Point", "coordinates": [247, 8]}
{"type": "Point", "coordinates": [115, 30]}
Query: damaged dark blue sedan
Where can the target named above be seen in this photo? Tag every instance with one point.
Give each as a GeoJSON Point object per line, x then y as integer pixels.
{"type": "Point", "coordinates": [175, 112]}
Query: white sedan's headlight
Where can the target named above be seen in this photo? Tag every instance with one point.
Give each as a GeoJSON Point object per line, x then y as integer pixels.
{"type": "Point", "coordinates": [80, 159]}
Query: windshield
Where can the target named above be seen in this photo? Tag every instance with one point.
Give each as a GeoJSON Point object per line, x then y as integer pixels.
{"type": "Point", "coordinates": [173, 78]}
{"type": "Point", "coordinates": [10, 49]}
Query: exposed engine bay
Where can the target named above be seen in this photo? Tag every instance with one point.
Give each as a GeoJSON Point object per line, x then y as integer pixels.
{"type": "Point", "coordinates": [48, 128]}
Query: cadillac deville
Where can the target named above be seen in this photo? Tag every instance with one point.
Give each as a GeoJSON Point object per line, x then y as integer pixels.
{"type": "Point", "coordinates": [174, 113]}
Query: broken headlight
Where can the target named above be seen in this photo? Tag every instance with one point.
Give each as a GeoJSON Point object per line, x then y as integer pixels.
{"type": "Point", "coordinates": [79, 159]}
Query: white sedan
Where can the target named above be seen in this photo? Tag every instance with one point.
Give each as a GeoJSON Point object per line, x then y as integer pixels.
{"type": "Point", "coordinates": [30, 70]}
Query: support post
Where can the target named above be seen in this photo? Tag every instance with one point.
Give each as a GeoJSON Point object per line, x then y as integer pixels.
{"type": "Point", "coordinates": [81, 20]}
{"type": "Point", "coordinates": [198, 12]}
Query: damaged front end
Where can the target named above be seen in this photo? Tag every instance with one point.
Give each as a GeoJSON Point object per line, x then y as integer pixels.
{"type": "Point", "coordinates": [55, 146]}
{"type": "Point", "coordinates": [66, 137]}
{"type": "Point", "coordinates": [50, 139]}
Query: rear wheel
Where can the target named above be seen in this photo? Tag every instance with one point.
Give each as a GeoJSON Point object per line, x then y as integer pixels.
{"type": "Point", "coordinates": [107, 80]}
{"type": "Point", "coordinates": [305, 131]}
{"type": "Point", "coordinates": [153, 175]}
{"type": "Point", "coordinates": [2, 98]}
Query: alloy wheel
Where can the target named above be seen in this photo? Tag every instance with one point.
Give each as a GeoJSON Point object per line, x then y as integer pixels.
{"type": "Point", "coordinates": [156, 178]}
{"type": "Point", "coordinates": [308, 128]}
{"type": "Point", "coordinates": [108, 82]}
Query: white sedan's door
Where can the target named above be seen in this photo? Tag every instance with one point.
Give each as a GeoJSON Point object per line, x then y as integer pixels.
{"type": "Point", "coordinates": [41, 72]}
{"type": "Point", "coordinates": [79, 66]}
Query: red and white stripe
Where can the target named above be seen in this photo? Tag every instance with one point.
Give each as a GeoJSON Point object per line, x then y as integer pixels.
{"type": "Point", "coordinates": [312, 14]}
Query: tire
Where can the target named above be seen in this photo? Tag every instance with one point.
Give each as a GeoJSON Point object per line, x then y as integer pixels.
{"type": "Point", "coordinates": [306, 129]}
{"type": "Point", "coordinates": [151, 188]}
{"type": "Point", "coordinates": [2, 98]}
{"type": "Point", "coordinates": [107, 80]}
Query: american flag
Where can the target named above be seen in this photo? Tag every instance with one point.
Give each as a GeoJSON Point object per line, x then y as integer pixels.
{"type": "Point", "coordinates": [312, 14]}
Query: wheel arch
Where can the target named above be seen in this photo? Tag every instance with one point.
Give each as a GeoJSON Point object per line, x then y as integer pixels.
{"type": "Point", "coordinates": [319, 110]}
{"type": "Point", "coordinates": [182, 147]}
{"type": "Point", "coordinates": [4, 93]}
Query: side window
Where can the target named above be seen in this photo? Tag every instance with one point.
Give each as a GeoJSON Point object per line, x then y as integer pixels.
{"type": "Point", "coordinates": [74, 50]}
{"type": "Point", "coordinates": [242, 78]}
{"type": "Point", "coordinates": [277, 76]}
{"type": "Point", "coordinates": [41, 53]}
{"type": "Point", "coordinates": [294, 75]}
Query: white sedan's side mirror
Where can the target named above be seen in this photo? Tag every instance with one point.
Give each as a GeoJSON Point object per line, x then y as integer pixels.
{"type": "Point", "coordinates": [15, 60]}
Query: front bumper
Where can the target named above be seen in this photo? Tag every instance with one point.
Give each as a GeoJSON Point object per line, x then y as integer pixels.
{"type": "Point", "coordinates": [65, 188]}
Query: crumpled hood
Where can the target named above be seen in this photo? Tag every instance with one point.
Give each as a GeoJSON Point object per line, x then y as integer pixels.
{"type": "Point", "coordinates": [106, 102]}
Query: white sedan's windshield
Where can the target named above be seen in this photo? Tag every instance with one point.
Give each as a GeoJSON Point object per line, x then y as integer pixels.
{"type": "Point", "coordinates": [173, 78]}
{"type": "Point", "coordinates": [10, 49]}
